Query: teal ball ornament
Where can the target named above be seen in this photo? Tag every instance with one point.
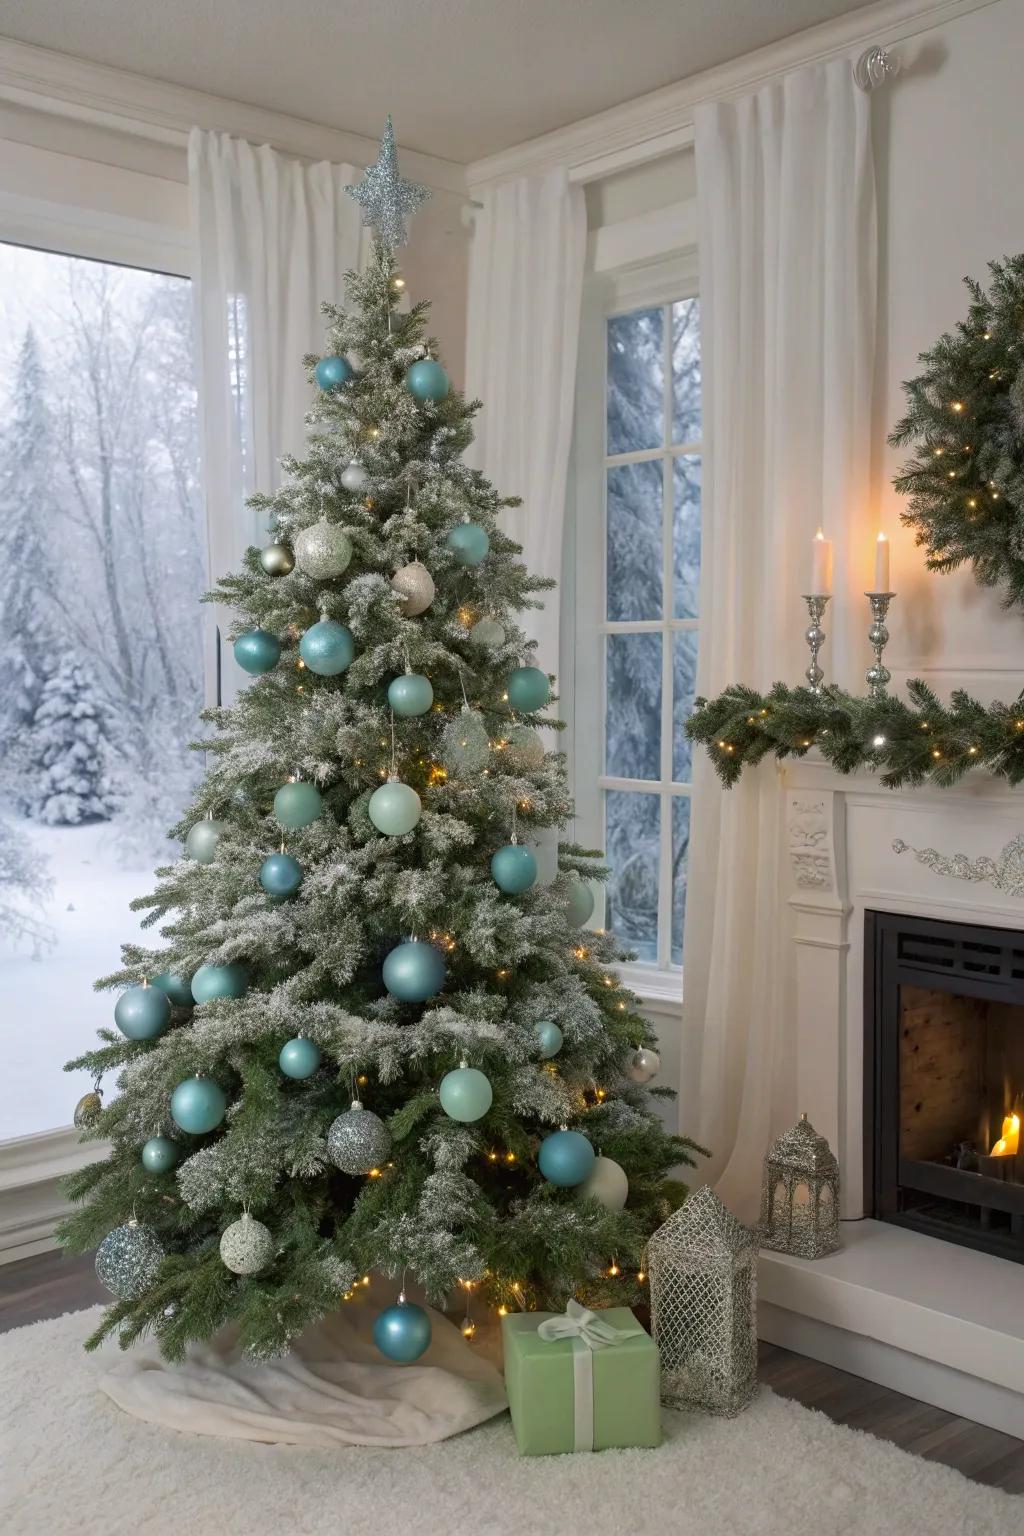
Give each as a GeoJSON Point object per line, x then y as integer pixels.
{"type": "Point", "coordinates": [514, 868]}
{"type": "Point", "coordinates": [296, 805]}
{"type": "Point", "coordinates": [201, 842]}
{"type": "Point", "coordinates": [159, 1154]}
{"type": "Point", "coordinates": [128, 1259]}
{"type": "Point", "coordinates": [466, 1094]}
{"type": "Point", "coordinates": [469, 543]}
{"type": "Point", "coordinates": [579, 903]}
{"type": "Point", "coordinates": [257, 651]}
{"type": "Point", "coordinates": [327, 648]}
{"type": "Point", "coordinates": [606, 1182]}
{"type": "Point", "coordinates": [394, 808]}
{"type": "Point", "coordinates": [565, 1158]}
{"type": "Point", "coordinates": [414, 971]}
{"type": "Point", "coordinates": [333, 372]}
{"type": "Point", "coordinates": [299, 1058]}
{"type": "Point", "coordinates": [142, 1013]}
{"type": "Point", "coordinates": [410, 695]}
{"type": "Point", "coordinates": [427, 381]}
{"type": "Point", "coordinates": [402, 1332]}
{"type": "Point", "coordinates": [176, 989]}
{"type": "Point", "coordinates": [528, 689]}
{"type": "Point", "coordinates": [198, 1105]}
{"type": "Point", "coordinates": [212, 982]}
{"type": "Point", "coordinates": [548, 1037]}
{"type": "Point", "coordinates": [280, 875]}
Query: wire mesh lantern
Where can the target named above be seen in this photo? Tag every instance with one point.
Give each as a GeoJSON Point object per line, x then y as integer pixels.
{"type": "Point", "coordinates": [800, 1194]}
{"type": "Point", "coordinates": [703, 1275]}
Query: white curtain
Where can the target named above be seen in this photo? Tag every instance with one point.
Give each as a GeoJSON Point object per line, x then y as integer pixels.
{"type": "Point", "coordinates": [271, 238]}
{"type": "Point", "coordinates": [788, 243]}
{"type": "Point", "coordinates": [525, 291]}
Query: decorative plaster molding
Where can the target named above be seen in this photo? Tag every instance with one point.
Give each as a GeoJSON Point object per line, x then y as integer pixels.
{"type": "Point", "coordinates": [808, 823]}
{"type": "Point", "coordinates": [1005, 873]}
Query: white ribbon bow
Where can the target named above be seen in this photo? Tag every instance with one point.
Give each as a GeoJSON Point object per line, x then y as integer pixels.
{"type": "Point", "coordinates": [587, 1331]}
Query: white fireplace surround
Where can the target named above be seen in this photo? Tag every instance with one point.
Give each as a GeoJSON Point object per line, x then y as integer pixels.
{"type": "Point", "coordinates": [938, 1321]}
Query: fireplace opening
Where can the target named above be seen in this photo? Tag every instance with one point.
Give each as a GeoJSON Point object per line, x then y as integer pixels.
{"type": "Point", "coordinates": [944, 1086]}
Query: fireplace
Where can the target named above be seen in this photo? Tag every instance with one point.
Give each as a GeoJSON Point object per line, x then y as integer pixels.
{"type": "Point", "coordinates": [944, 1079]}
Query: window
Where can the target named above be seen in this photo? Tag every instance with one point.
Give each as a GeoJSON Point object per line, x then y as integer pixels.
{"type": "Point", "coordinates": [101, 658]}
{"type": "Point", "coordinates": [638, 584]}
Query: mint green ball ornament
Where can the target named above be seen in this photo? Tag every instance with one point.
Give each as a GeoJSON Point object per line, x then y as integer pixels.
{"type": "Point", "coordinates": [469, 543]}
{"type": "Point", "coordinates": [257, 651]}
{"type": "Point", "coordinates": [198, 1105]}
{"type": "Point", "coordinates": [159, 1154]}
{"type": "Point", "coordinates": [142, 1013]}
{"type": "Point", "coordinates": [213, 982]}
{"type": "Point", "coordinates": [178, 989]}
{"type": "Point", "coordinates": [414, 972]}
{"type": "Point", "coordinates": [488, 632]}
{"type": "Point", "coordinates": [427, 381]}
{"type": "Point", "coordinates": [202, 839]}
{"type": "Point", "coordinates": [299, 1058]}
{"type": "Point", "coordinates": [528, 689]}
{"type": "Point", "coordinates": [465, 1094]}
{"type": "Point", "coordinates": [579, 903]}
{"type": "Point", "coordinates": [296, 805]}
{"type": "Point", "coordinates": [394, 808]}
{"type": "Point", "coordinates": [327, 648]}
{"type": "Point", "coordinates": [410, 695]}
{"type": "Point", "coordinates": [514, 868]}
{"type": "Point", "coordinates": [548, 1037]}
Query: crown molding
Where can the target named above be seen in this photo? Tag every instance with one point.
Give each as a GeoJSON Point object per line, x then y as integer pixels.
{"type": "Point", "coordinates": [660, 123]}
{"type": "Point", "coordinates": [139, 107]}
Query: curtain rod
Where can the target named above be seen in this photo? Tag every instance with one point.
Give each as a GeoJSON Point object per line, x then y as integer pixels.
{"type": "Point", "coordinates": [874, 67]}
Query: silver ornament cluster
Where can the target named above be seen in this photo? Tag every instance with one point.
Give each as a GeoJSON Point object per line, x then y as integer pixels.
{"type": "Point", "coordinates": [465, 744]}
{"type": "Point", "coordinates": [703, 1274]}
{"type": "Point", "coordinates": [322, 550]}
{"type": "Point", "coordinates": [388, 202]}
{"type": "Point", "coordinates": [128, 1259]}
{"type": "Point", "coordinates": [800, 1194]}
{"type": "Point", "coordinates": [415, 586]}
{"type": "Point", "coordinates": [247, 1246]}
{"type": "Point", "coordinates": [358, 1140]}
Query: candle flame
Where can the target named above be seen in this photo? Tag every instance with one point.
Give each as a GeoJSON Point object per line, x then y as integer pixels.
{"type": "Point", "coordinates": [1009, 1141]}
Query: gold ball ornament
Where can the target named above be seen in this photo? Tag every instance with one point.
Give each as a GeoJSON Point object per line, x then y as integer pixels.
{"type": "Point", "coordinates": [277, 560]}
{"type": "Point", "coordinates": [323, 550]}
{"type": "Point", "coordinates": [415, 586]}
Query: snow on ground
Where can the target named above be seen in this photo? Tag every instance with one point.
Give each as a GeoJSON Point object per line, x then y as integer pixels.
{"type": "Point", "coordinates": [49, 1010]}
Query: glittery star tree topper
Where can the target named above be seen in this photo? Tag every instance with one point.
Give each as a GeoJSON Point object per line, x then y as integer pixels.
{"type": "Point", "coordinates": [387, 201]}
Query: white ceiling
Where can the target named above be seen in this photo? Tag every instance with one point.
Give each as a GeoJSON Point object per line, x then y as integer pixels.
{"type": "Point", "coordinates": [462, 78]}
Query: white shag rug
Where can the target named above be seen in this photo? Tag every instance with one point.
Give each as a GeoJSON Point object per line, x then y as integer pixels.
{"type": "Point", "coordinates": [72, 1462]}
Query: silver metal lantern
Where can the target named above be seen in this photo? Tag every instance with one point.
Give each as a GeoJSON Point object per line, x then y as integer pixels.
{"type": "Point", "coordinates": [800, 1194]}
{"type": "Point", "coordinates": [703, 1275]}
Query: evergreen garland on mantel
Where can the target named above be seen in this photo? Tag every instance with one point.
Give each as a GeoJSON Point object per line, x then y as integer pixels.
{"type": "Point", "coordinates": [909, 743]}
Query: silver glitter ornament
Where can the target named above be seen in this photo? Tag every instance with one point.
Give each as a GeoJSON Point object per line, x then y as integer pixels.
{"type": "Point", "coordinates": [358, 1140]}
{"type": "Point", "coordinates": [488, 632]}
{"type": "Point", "coordinates": [246, 1246]}
{"type": "Point", "coordinates": [465, 744]}
{"type": "Point", "coordinates": [277, 560]}
{"type": "Point", "coordinates": [703, 1272]}
{"type": "Point", "coordinates": [643, 1065]}
{"type": "Point", "coordinates": [525, 748]}
{"type": "Point", "coordinates": [354, 476]}
{"type": "Point", "coordinates": [88, 1109]}
{"type": "Point", "coordinates": [800, 1194]}
{"type": "Point", "coordinates": [415, 585]}
{"type": "Point", "coordinates": [387, 201]}
{"type": "Point", "coordinates": [322, 551]}
{"type": "Point", "coordinates": [128, 1259]}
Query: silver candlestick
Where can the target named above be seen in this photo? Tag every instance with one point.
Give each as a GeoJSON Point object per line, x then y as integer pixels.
{"type": "Point", "coordinates": [878, 674]}
{"type": "Point", "coordinates": [816, 602]}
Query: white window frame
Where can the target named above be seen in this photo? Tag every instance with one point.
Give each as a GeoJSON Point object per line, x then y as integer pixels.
{"type": "Point", "coordinates": [606, 295]}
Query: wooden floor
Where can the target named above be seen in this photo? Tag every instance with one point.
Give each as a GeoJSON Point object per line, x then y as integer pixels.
{"type": "Point", "coordinates": [51, 1284]}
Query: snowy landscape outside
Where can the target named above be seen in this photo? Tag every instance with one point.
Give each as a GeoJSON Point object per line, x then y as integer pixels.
{"type": "Point", "coordinates": [101, 680]}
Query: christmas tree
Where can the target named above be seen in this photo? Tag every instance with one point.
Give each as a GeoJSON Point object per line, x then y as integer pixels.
{"type": "Point", "coordinates": [65, 748]}
{"type": "Point", "coordinates": [377, 1036]}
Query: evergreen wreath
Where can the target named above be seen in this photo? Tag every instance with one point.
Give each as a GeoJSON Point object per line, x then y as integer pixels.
{"type": "Point", "coordinates": [965, 417]}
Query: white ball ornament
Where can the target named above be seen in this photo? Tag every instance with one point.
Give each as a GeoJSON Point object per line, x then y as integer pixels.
{"type": "Point", "coordinates": [354, 477]}
{"type": "Point", "coordinates": [323, 550]}
{"type": "Point", "coordinates": [605, 1182]}
{"type": "Point", "coordinates": [246, 1246]}
{"type": "Point", "coordinates": [643, 1065]}
{"type": "Point", "coordinates": [415, 586]}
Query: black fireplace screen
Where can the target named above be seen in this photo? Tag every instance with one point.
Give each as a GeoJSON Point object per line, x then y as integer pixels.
{"type": "Point", "coordinates": [944, 1079]}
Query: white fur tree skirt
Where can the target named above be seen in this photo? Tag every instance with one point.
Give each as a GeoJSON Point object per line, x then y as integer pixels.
{"type": "Point", "coordinates": [73, 1462]}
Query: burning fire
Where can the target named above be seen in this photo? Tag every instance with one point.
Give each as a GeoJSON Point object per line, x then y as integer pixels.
{"type": "Point", "coordinates": [1009, 1141]}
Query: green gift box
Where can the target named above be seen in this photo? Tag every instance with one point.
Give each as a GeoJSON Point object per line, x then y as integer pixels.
{"type": "Point", "coordinates": [581, 1380]}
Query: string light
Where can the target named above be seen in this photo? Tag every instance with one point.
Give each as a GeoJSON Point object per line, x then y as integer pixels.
{"type": "Point", "coordinates": [641, 1276]}
{"type": "Point", "coordinates": [613, 1269]}
{"type": "Point", "coordinates": [936, 752]}
{"type": "Point", "coordinates": [878, 741]}
{"type": "Point", "coordinates": [957, 405]}
{"type": "Point", "coordinates": [374, 1173]}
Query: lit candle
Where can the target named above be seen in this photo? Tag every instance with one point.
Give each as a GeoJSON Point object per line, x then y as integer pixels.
{"type": "Point", "coordinates": [1009, 1141]}
{"type": "Point", "coordinates": [881, 564]}
{"type": "Point", "coordinates": [821, 565]}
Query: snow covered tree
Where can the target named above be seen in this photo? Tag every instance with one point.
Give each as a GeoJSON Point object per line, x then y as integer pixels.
{"type": "Point", "coordinates": [25, 885]}
{"type": "Point", "coordinates": [64, 751]}
{"type": "Point", "coordinates": [367, 912]}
